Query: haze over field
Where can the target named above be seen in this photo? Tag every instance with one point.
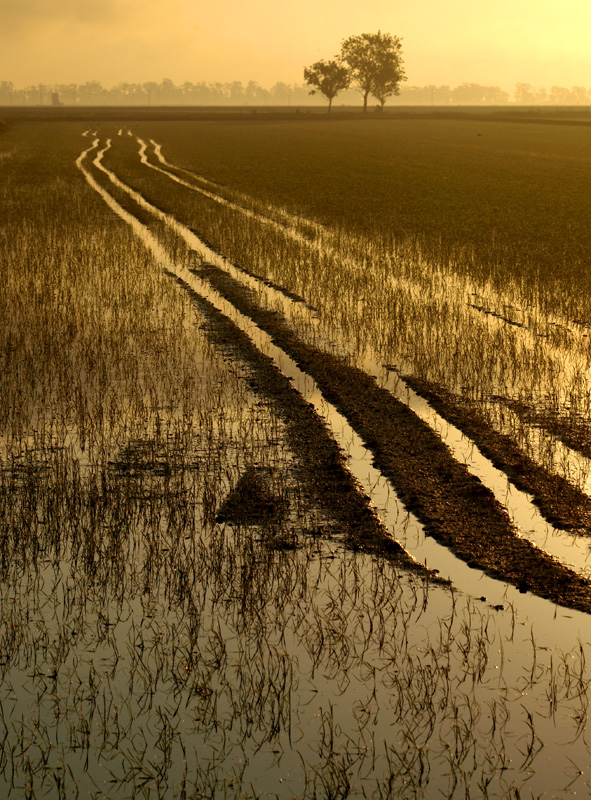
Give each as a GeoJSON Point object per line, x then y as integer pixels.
{"type": "Point", "coordinates": [444, 41]}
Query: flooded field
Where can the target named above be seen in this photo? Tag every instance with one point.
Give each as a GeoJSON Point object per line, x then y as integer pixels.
{"type": "Point", "coordinates": [295, 487]}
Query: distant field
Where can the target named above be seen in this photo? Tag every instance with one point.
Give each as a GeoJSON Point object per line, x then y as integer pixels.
{"type": "Point", "coordinates": [518, 195]}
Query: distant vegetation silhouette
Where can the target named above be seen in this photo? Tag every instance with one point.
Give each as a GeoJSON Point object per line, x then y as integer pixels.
{"type": "Point", "coordinates": [372, 62]}
{"type": "Point", "coordinates": [328, 78]}
{"type": "Point", "coordinates": [235, 93]}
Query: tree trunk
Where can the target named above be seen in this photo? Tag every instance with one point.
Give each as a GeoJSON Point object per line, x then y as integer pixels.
{"type": "Point", "coordinates": [329, 104]}
{"type": "Point", "coordinates": [365, 96]}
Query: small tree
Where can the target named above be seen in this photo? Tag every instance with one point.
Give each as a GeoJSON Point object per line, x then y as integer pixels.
{"type": "Point", "coordinates": [328, 78]}
{"type": "Point", "coordinates": [386, 81]}
{"type": "Point", "coordinates": [375, 61]}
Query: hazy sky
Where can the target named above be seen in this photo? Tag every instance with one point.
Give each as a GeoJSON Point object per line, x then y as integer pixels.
{"type": "Point", "coordinates": [542, 42]}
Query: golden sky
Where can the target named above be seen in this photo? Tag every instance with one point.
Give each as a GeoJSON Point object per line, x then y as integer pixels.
{"type": "Point", "coordinates": [542, 42]}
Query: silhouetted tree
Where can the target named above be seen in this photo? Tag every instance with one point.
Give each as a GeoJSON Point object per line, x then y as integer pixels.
{"type": "Point", "coordinates": [526, 94]}
{"type": "Point", "coordinates": [254, 94]}
{"type": "Point", "coordinates": [91, 93]}
{"type": "Point", "coordinates": [476, 94]}
{"type": "Point", "coordinates": [6, 91]}
{"type": "Point", "coordinates": [375, 61]}
{"type": "Point", "coordinates": [234, 93]}
{"type": "Point", "coordinates": [579, 95]}
{"type": "Point", "coordinates": [328, 78]}
{"type": "Point", "coordinates": [168, 92]}
{"type": "Point", "coordinates": [151, 89]}
{"type": "Point", "coordinates": [280, 93]}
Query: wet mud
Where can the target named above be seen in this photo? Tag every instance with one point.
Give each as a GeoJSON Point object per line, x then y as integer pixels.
{"type": "Point", "coordinates": [321, 467]}
{"type": "Point", "coordinates": [561, 503]}
{"type": "Point", "coordinates": [455, 508]}
{"type": "Point", "coordinates": [452, 504]}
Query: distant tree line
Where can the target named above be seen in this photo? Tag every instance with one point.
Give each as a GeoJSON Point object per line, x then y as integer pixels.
{"type": "Point", "coordinates": [253, 94]}
{"type": "Point", "coordinates": [476, 94]}
{"type": "Point", "coordinates": [93, 93]}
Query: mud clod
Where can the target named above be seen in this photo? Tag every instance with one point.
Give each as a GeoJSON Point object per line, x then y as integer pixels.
{"type": "Point", "coordinates": [252, 502]}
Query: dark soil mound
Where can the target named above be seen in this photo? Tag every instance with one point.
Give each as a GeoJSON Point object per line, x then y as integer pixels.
{"type": "Point", "coordinates": [252, 502]}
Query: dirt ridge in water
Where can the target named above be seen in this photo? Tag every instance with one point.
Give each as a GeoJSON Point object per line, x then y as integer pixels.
{"type": "Point", "coordinates": [453, 505]}
{"type": "Point", "coordinates": [321, 466]}
{"type": "Point", "coordinates": [561, 503]}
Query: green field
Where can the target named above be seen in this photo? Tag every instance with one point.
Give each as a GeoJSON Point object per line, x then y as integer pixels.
{"type": "Point", "coordinates": [188, 607]}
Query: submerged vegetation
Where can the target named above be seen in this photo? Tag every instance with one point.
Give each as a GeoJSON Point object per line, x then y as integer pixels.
{"type": "Point", "coordinates": [197, 598]}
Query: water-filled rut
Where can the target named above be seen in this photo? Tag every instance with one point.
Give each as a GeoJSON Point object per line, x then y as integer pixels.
{"type": "Point", "coordinates": [558, 502]}
{"type": "Point", "coordinates": [545, 506]}
{"type": "Point", "coordinates": [454, 507]}
{"type": "Point", "coordinates": [561, 503]}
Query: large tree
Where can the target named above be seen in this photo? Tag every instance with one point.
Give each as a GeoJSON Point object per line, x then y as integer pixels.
{"type": "Point", "coordinates": [376, 65]}
{"type": "Point", "coordinates": [328, 78]}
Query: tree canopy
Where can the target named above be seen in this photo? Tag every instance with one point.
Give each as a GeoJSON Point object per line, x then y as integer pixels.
{"type": "Point", "coordinates": [375, 64]}
{"type": "Point", "coordinates": [328, 78]}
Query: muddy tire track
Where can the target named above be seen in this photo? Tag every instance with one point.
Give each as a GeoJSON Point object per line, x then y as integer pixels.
{"type": "Point", "coordinates": [321, 465]}
{"type": "Point", "coordinates": [452, 504]}
{"type": "Point", "coordinates": [561, 503]}
{"type": "Point", "coordinates": [323, 471]}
